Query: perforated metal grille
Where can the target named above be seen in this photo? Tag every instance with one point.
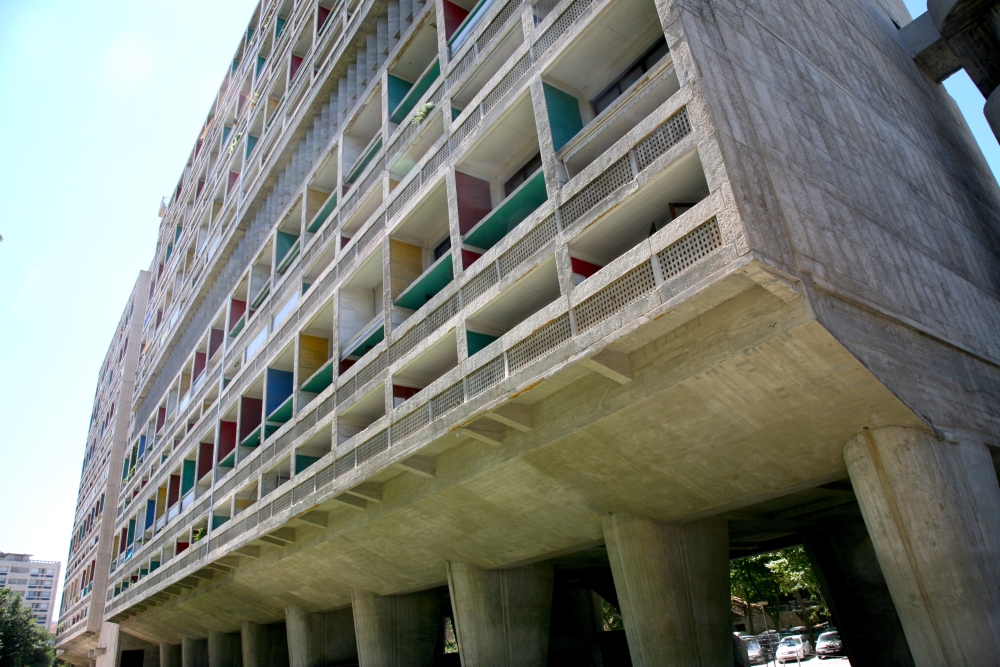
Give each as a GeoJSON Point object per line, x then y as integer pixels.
{"type": "Point", "coordinates": [614, 297]}
{"type": "Point", "coordinates": [402, 138]}
{"type": "Point", "coordinates": [406, 426]}
{"type": "Point", "coordinates": [497, 23]}
{"type": "Point", "coordinates": [408, 341]}
{"type": "Point", "coordinates": [345, 463]}
{"type": "Point", "coordinates": [659, 142]}
{"type": "Point", "coordinates": [373, 176]}
{"type": "Point", "coordinates": [371, 233]}
{"type": "Point", "coordinates": [436, 96]}
{"type": "Point", "coordinates": [327, 406]}
{"type": "Point", "coordinates": [689, 249]}
{"type": "Point", "coordinates": [505, 84]}
{"type": "Point", "coordinates": [486, 279]}
{"type": "Point", "coordinates": [326, 475]}
{"type": "Point", "coordinates": [442, 314]}
{"type": "Point", "coordinates": [615, 176]}
{"type": "Point", "coordinates": [462, 66]}
{"type": "Point", "coordinates": [281, 504]}
{"type": "Point", "coordinates": [486, 376]}
{"type": "Point", "coordinates": [349, 255]}
{"type": "Point", "coordinates": [447, 400]}
{"type": "Point", "coordinates": [532, 242]}
{"type": "Point", "coordinates": [347, 390]}
{"type": "Point", "coordinates": [561, 25]}
{"type": "Point", "coordinates": [376, 444]}
{"type": "Point", "coordinates": [404, 197]}
{"type": "Point", "coordinates": [368, 373]}
{"type": "Point", "coordinates": [549, 337]}
{"type": "Point", "coordinates": [303, 490]}
{"type": "Point", "coordinates": [305, 423]}
{"type": "Point", "coordinates": [466, 128]}
{"type": "Point", "coordinates": [432, 165]}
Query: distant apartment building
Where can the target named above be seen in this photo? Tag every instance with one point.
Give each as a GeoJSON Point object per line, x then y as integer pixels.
{"type": "Point", "coordinates": [35, 581]}
{"type": "Point", "coordinates": [92, 541]}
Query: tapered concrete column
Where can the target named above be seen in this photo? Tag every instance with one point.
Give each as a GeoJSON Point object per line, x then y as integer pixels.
{"type": "Point", "coordinates": [845, 564]}
{"type": "Point", "coordinates": [194, 652]}
{"type": "Point", "coordinates": [224, 649]}
{"type": "Point", "coordinates": [932, 509]}
{"type": "Point", "coordinates": [673, 587]}
{"type": "Point", "coordinates": [253, 642]}
{"type": "Point", "coordinates": [396, 630]}
{"type": "Point", "coordinates": [304, 640]}
{"type": "Point", "coordinates": [501, 616]}
{"type": "Point", "coordinates": [170, 655]}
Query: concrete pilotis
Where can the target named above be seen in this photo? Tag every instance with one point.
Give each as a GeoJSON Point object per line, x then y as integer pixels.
{"type": "Point", "coordinates": [252, 643]}
{"type": "Point", "coordinates": [194, 652]}
{"type": "Point", "coordinates": [396, 630]}
{"type": "Point", "coordinates": [932, 509]}
{"type": "Point", "coordinates": [224, 649]}
{"type": "Point", "coordinates": [673, 587]}
{"type": "Point", "coordinates": [316, 639]}
{"type": "Point", "coordinates": [501, 616]}
{"type": "Point", "coordinates": [849, 574]}
{"type": "Point", "coordinates": [170, 655]}
{"type": "Point", "coordinates": [303, 639]}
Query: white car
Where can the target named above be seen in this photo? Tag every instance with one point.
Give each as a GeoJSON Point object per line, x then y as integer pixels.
{"type": "Point", "coordinates": [793, 647]}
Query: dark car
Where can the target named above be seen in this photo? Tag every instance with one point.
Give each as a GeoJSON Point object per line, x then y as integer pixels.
{"type": "Point", "coordinates": [829, 644]}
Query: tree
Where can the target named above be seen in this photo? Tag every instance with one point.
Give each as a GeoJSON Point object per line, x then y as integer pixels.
{"type": "Point", "coordinates": [20, 637]}
{"type": "Point", "coordinates": [751, 580]}
{"type": "Point", "coordinates": [794, 574]}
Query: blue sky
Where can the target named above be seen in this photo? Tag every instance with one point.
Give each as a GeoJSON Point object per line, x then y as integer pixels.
{"type": "Point", "coordinates": [102, 102]}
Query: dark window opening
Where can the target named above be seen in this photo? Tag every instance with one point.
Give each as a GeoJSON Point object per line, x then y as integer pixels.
{"type": "Point", "coordinates": [645, 63]}
{"type": "Point", "coordinates": [522, 174]}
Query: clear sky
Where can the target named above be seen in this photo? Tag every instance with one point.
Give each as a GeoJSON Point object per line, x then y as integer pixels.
{"type": "Point", "coordinates": [102, 102]}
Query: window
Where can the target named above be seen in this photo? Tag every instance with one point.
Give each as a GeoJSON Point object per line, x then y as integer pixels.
{"type": "Point", "coordinates": [631, 75]}
{"type": "Point", "coordinates": [522, 174]}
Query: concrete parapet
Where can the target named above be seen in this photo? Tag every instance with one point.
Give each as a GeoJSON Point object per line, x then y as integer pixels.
{"type": "Point", "coordinates": [932, 509]}
{"type": "Point", "coordinates": [501, 616]}
{"type": "Point", "coordinates": [673, 586]}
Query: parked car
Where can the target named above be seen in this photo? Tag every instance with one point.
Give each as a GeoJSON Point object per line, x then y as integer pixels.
{"type": "Point", "coordinates": [793, 647]}
{"type": "Point", "coordinates": [829, 644]}
{"type": "Point", "coordinates": [755, 651]}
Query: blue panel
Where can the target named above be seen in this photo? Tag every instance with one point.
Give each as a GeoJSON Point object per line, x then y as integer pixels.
{"type": "Point", "coordinates": [150, 509]}
{"type": "Point", "coordinates": [279, 388]}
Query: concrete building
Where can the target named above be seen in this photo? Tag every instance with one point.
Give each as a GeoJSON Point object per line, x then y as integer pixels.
{"type": "Point", "coordinates": [36, 581]}
{"type": "Point", "coordinates": [492, 318]}
{"type": "Point", "coordinates": [81, 612]}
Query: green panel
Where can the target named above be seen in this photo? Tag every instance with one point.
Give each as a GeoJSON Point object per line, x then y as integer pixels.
{"type": "Point", "coordinates": [363, 162]}
{"type": "Point", "coordinates": [477, 341]}
{"type": "Point", "coordinates": [187, 477]}
{"type": "Point", "coordinates": [283, 243]}
{"type": "Point", "coordinates": [154, 565]}
{"type": "Point", "coordinates": [229, 461]}
{"type": "Point", "coordinates": [508, 215]}
{"type": "Point", "coordinates": [282, 413]}
{"type": "Point", "coordinates": [178, 230]}
{"type": "Point", "coordinates": [260, 65]}
{"type": "Point", "coordinates": [564, 115]}
{"type": "Point", "coordinates": [225, 133]}
{"type": "Point", "coordinates": [397, 90]}
{"type": "Point", "coordinates": [252, 440]}
{"type": "Point", "coordinates": [321, 379]}
{"type": "Point", "coordinates": [239, 327]}
{"type": "Point", "coordinates": [410, 101]}
{"type": "Point", "coordinates": [455, 113]}
{"type": "Point", "coordinates": [218, 520]}
{"type": "Point", "coordinates": [323, 214]}
{"type": "Point", "coordinates": [430, 283]}
{"type": "Point", "coordinates": [259, 299]}
{"type": "Point", "coordinates": [290, 256]}
{"type": "Point", "coordinates": [251, 142]}
{"type": "Point", "coordinates": [361, 348]}
{"type": "Point", "coordinates": [279, 25]}
{"type": "Point", "coordinates": [302, 462]}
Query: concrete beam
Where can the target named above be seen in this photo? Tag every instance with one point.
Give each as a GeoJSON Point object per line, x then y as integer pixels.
{"type": "Point", "coordinates": [316, 518]}
{"type": "Point", "coordinates": [351, 501]}
{"type": "Point", "coordinates": [611, 364]}
{"type": "Point", "coordinates": [249, 551]}
{"type": "Point", "coordinates": [932, 509]}
{"type": "Point", "coordinates": [673, 588]}
{"type": "Point", "coordinates": [418, 465]}
{"type": "Point", "coordinates": [492, 438]}
{"type": "Point", "coordinates": [501, 616]}
{"type": "Point", "coordinates": [515, 415]}
{"type": "Point", "coordinates": [368, 491]}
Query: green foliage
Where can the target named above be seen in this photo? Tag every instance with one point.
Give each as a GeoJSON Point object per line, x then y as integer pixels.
{"type": "Point", "coordinates": [422, 113]}
{"type": "Point", "coordinates": [765, 577]}
{"type": "Point", "coordinates": [612, 618]}
{"type": "Point", "coordinates": [199, 534]}
{"type": "Point", "coordinates": [22, 642]}
{"type": "Point", "coordinates": [793, 572]}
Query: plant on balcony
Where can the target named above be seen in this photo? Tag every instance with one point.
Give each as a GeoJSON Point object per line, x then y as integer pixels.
{"type": "Point", "coordinates": [420, 115]}
{"type": "Point", "coordinates": [198, 534]}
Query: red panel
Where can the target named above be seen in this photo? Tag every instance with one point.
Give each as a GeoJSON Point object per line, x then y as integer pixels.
{"type": "Point", "coordinates": [474, 200]}
{"type": "Point", "coordinates": [453, 17]}
{"type": "Point", "coordinates": [403, 392]}
{"type": "Point", "coordinates": [296, 62]}
{"type": "Point", "coordinates": [469, 257]}
{"type": "Point", "coordinates": [250, 415]}
{"type": "Point", "coordinates": [236, 310]}
{"type": "Point", "coordinates": [582, 268]}
{"type": "Point", "coordinates": [161, 417]}
{"type": "Point", "coordinates": [322, 13]}
{"type": "Point", "coordinates": [233, 177]}
{"type": "Point", "coordinates": [173, 490]}
{"type": "Point", "coordinates": [199, 363]}
{"type": "Point", "coordinates": [345, 364]}
{"type": "Point", "coordinates": [182, 546]}
{"type": "Point", "coordinates": [204, 458]}
{"type": "Point", "coordinates": [215, 341]}
{"type": "Point", "coordinates": [227, 438]}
